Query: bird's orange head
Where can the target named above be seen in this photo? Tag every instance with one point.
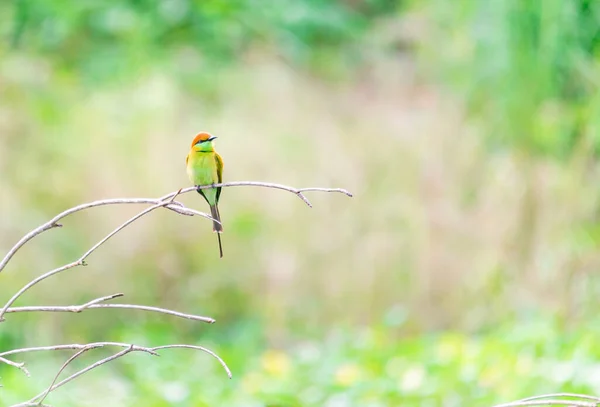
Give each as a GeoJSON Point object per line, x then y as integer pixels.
{"type": "Point", "coordinates": [203, 142]}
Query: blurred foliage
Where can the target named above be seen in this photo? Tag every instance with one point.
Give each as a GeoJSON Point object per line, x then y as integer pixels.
{"type": "Point", "coordinates": [115, 40]}
{"type": "Point", "coordinates": [366, 367]}
{"type": "Point", "coordinates": [528, 71]}
{"type": "Point", "coordinates": [482, 266]}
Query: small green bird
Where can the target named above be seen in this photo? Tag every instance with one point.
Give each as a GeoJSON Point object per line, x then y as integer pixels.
{"type": "Point", "coordinates": [205, 167]}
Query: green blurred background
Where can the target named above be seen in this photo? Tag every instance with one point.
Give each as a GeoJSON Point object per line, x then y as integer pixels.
{"type": "Point", "coordinates": [461, 273]}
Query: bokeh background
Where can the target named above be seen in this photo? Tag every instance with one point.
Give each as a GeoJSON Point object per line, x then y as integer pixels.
{"type": "Point", "coordinates": [463, 271]}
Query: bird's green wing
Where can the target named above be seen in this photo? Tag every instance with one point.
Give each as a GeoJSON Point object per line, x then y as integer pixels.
{"type": "Point", "coordinates": [219, 162]}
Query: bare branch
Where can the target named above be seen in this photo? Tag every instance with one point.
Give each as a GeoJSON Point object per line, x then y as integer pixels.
{"type": "Point", "coordinates": [84, 348]}
{"type": "Point", "coordinates": [551, 402]}
{"type": "Point", "coordinates": [167, 201]}
{"type": "Point", "coordinates": [555, 395]}
{"type": "Point", "coordinates": [94, 305]}
{"type": "Point", "coordinates": [556, 399]}
{"type": "Point", "coordinates": [72, 346]}
{"type": "Point", "coordinates": [21, 366]}
{"type": "Point", "coordinates": [174, 206]}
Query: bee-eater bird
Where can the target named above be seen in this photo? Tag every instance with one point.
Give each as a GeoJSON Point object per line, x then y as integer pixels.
{"type": "Point", "coordinates": [205, 167]}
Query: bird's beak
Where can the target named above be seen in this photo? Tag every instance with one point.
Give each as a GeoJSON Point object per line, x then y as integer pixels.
{"type": "Point", "coordinates": [212, 138]}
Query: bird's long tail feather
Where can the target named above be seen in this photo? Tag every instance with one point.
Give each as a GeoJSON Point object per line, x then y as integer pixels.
{"type": "Point", "coordinates": [217, 227]}
{"type": "Point", "coordinates": [220, 246]}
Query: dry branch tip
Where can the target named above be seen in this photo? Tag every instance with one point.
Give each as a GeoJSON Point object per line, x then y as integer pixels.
{"type": "Point", "coordinates": [20, 366]}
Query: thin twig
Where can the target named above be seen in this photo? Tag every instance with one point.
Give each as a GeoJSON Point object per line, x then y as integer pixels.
{"type": "Point", "coordinates": [297, 191]}
{"type": "Point", "coordinates": [34, 282]}
{"type": "Point", "coordinates": [63, 367]}
{"type": "Point", "coordinates": [81, 260]}
{"type": "Point", "coordinates": [79, 373]}
{"type": "Point", "coordinates": [88, 304]}
{"type": "Point", "coordinates": [202, 348]}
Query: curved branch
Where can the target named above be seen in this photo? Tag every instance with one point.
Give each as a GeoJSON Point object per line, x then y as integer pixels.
{"type": "Point", "coordinates": [53, 223]}
{"type": "Point", "coordinates": [554, 395]}
{"type": "Point", "coordinates": [570, 403]}
{"type": "Point", "coordinates": [555, 400]}
{"type": "Point", "coordinates": [84, 348]}
{"type": "Point", "coordinates": [174, 206]}
{"type": "Point", "coordinates": [63, 367]}
{"type": "Point", "coordinates": [201, 348]}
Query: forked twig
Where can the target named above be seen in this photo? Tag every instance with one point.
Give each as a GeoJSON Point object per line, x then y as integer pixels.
{"type": "Point", "coordinates": [72, 346]}
{"type": "Point", "coordinates": [81, 260]}
{"type": "Point", "coordinates": [75, 375]}
{"type": "Point", "coordinates": [20, 366]}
